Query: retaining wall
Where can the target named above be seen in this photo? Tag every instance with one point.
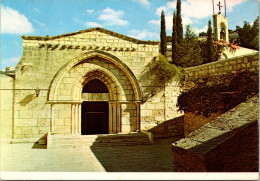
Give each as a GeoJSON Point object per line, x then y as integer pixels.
{"type": "Point", "coordinates": [217, 70]}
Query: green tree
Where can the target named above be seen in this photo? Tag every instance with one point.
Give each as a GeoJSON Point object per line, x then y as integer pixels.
{"type": "Point", "coordinates": [249, 35]}
{"type": "Point", "coordinates": [174, 40]}
{"type": "Point", "coordinates": [209, 44]}
{"type": "Point", "coordinates": [191, 52]}
{"type": "Point", "coordinates": [163, 44]}
{"type": "Point", "coordinates": [179, 22]}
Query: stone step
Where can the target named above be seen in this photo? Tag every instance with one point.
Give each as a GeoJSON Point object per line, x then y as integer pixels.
{"type": "Point", "coordinates": [70, 141]}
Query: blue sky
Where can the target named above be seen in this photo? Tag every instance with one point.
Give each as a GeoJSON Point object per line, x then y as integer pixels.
{"type": "Point", "coordinates": [135, 18]}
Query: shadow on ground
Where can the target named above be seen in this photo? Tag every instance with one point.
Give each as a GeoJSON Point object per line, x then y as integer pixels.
{"type": "Point", "coordinates": [38, 146]}
{"type": "Point", "coordinates": [136, 158]}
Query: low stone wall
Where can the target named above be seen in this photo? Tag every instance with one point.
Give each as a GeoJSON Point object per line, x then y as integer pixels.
{"type": "Point", "coordinates": [222, 67]}
{"type": "Point", "coordinates": [227, 144]}
{"type": "Point", "coordinates": [218, 70]}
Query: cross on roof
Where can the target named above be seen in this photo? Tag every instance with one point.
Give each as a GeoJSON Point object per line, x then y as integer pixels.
{"type": "Point", "coordinates": [219, 6]}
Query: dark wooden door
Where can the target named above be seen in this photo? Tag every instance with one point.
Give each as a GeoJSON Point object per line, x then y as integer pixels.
{"type": "Point", "coordinates": [94, 118]}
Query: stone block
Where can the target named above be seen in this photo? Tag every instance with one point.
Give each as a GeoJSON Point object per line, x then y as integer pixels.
{"type": "Point", "coordinates": [146, 112]}
{"type": "Point", "coordinates": [35, 130]}
{"type": "Point", "coordinates": [159, 118]}
{"type": "Point", "coordinates": [44, 130]}
{"type": "Point", "coordinates": [59, 122]}
{"type": "Point", "coordinates": [26, 130]}
{"type": "Point", "coordinates": [43, 122]}
{"type": "Point", "coordinates": [26, 122]}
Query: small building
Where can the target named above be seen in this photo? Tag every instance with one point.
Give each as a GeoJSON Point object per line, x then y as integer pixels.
{"type": "Point", "coordinates": [93, 81]}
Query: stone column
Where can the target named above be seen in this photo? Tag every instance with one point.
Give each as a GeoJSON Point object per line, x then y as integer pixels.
{"type": "Point", "coordinates": [79, 119]}
{"type": "Point", "coordinates": [76, 119]}
{"type": "Point", "coordinates": [118, 117]}
{"type": "Point", "coordinates": [72, 118]}
{"type": "Point", "coordinates": [138, 117]}
{"type": "Point", "coordinates": [51, 123]}
{"type": "Point", "coordinates": [110, 117]}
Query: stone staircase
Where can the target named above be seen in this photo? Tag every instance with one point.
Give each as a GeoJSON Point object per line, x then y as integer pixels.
{"type": "Point", "coordinates": [73, 141]}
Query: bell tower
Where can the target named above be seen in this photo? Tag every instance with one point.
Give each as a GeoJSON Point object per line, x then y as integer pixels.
{"type": "Point", "coordinates": [220, 24]}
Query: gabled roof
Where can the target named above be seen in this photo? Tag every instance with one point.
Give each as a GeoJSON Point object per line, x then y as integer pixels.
{"type": "Point", "coordinates": [90, 30]}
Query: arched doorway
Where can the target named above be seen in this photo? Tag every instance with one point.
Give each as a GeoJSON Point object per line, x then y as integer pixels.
{"type": "Point", "coordinates": [94, 118]}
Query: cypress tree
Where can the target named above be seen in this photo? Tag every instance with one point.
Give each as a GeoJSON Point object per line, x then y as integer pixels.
{"type": "Point", "coordinates": [163, 45]}
{"type": "Point", "coordinates": [209, 43]}
{"type": "Point", "coordinates": [179, 22]}
{"type": "Point", "coordinates": [174, 39]}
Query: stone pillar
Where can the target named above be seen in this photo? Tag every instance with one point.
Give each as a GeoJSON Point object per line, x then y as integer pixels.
{"type": "Point", "coordinates": [138, 117]}
{"type": "Point", "coordinates": [79, 119]}
{"type": "Point", "coordinates": [51, 123]}
{"type": "Point", "coordinates": [72, 118]}
{"type": "Point", "coordinates": [118, 118]}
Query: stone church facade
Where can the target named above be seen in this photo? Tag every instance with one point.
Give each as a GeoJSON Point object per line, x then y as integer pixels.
{"type": "Point", "coordinates": [92, 81]}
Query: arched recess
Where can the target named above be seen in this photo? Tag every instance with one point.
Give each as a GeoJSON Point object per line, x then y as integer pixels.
{"type": "Point", "coordinates": [114, 87]}
{"type": "Point", "coordinates": [95, 54]}
{"type": "Point", "coordinates": [223, 31]}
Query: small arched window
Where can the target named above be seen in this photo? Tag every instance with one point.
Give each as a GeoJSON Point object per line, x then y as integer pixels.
{"type": "Point", "coordinates": [95, 86]}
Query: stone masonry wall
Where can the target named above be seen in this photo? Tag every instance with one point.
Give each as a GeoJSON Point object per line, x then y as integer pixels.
{"type": "Point", "coordinates": [220, 68]}
{"type": "Point", "coordinates": [248, 62]}
{"type": "Point", "coordinates": [43, 57]}
{"type": "Point", "coordinates": [6, 97]}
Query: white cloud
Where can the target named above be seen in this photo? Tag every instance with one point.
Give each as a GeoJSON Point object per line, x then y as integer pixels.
{"type": "Point", "coordinates": [143, 34]}
{"type": "Point", "coordinates": [145, 2]}
{"type": "Point", "coordinates": [160, 9]}
{"type": "Point", "coordinates": [111, 17]}
{"type": "Point", "coordinates": [232, 3]}
{"type": "Point", "coordinates": [155, 22]}
{"type": "Point", "coordinates": [203, 8]}
{"type": "Point", "coordinates": [192, 10]}
{"type": "Point", "coordinates": [90, 11]}
{"type": "Point", "coordinates": [197, 31]}
{"type": "Point", "coordinates": [13, 22]}
{"type": "Point", "coordinates": [92, 24]}
{"type": "Point", "coordinates": [168, 21]}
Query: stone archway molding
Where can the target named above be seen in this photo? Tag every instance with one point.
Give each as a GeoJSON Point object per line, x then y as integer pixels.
{"type": "Point", "coordinates": [95, 54]}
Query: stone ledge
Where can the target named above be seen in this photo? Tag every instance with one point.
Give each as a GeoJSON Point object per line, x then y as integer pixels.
{"type": "Point", "coordinates": [90, 30]}
{"type": "Point", "coordinates": [220, 141]}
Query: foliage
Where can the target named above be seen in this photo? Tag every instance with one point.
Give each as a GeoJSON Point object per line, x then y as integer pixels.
{"type": "Point", "coordinates": [249, 35]}
{"type": "Point", "coordinates": [169, 38]}
{"type": "Point", "coordinates": [165, 71]}
{"type": "Point", "coordinates": [203, 34]}
{"type": "Point", "coordinates": [163, 44]}
{"type": "Point", "coordinates": [174, 40]}
{"type": "Point", "coordinates": [179, 22]}
{"type": "Point", "coordinates": [205, 100]}
{"type": "Point", "coordinates": [217, 50]}
{"type": "Point", "coordinates": [188, 53]}
{"type": "Point", "coordinates": [209, 43]}
{"type": "Point", "coordinates": [190, 50]}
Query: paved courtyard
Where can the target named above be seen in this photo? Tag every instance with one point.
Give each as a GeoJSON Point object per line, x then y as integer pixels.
{"type": "Point", "coordinates": [140, 158]}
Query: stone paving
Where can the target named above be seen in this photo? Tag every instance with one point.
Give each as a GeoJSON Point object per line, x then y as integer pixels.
{"type": "Point", "coordinates": [140, 158]}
